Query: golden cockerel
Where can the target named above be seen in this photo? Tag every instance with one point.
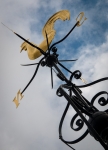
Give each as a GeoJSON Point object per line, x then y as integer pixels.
{"type": "Point", "coordinates": [34, 53]}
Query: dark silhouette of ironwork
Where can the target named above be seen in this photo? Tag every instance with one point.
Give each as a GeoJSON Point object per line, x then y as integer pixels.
{"type": "Point", "coordinates": [98, 120]}
{"type": "Point", "coordinates": [97, 124]}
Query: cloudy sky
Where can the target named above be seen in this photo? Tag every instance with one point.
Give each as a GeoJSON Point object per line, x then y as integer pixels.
{"type": "Point", "coordinates": [34, 124]}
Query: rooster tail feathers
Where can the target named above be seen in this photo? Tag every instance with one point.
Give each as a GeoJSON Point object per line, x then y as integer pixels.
{"type": "Point", "coordinates": [49, 26]}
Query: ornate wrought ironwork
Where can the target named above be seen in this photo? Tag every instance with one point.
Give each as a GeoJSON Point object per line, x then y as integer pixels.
{"type": "Point", "coordinates": [97, 124]}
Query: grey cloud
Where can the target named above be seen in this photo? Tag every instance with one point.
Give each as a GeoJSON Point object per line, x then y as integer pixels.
{"type": "Point", "coordinates": [34, 125]}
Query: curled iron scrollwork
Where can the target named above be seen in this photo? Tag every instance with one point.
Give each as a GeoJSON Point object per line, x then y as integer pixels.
{"type": "Point", "coordinates": [59, 93]}
{"type": "Point", "coordinates": [79, 123]}
{"type": "Point", "coordinates": [76, 99]}
{"type": "Point", "coordinates": [102, 101]}
{"type": "Point", "coordinates": [76, 74]}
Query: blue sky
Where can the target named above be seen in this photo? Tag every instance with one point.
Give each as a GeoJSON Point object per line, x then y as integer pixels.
{"type": "Point", "coordinates": [34, 124]}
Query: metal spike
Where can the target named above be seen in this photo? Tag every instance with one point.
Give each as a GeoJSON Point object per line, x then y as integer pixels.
{"type": "Point", "coordinates": [51, 78]}
{"type": "Point", "coordinates": [7, 27]}
{"type": "Point", "coordinates": [68, 60]}
{"type": "Point", "coordinates": [29, 64]}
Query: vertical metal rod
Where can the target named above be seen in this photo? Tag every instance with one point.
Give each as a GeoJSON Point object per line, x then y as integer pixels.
{"type": "Point", "coordinates": [51, 78]}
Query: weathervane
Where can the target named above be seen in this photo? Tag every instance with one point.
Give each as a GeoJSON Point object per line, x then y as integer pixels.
{"type": "Point", "coordinates": [98, 120]}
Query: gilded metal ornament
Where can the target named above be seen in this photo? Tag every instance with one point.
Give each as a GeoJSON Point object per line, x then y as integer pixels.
{"type": "Point", "coordinates": [97, 124]}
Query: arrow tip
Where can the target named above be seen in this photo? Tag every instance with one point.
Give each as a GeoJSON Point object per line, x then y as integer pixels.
{"type": "Point", "coordinates": [7, 27]}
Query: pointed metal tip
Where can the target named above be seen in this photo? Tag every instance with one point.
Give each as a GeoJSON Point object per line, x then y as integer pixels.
{"type": "Point", "coordinates": [29, 64]}
{"type": "Point", "coordinates": [51, 78]}
{"type": "Point", "coordinates": [7, 27]}
{"type": "Point", "coordinates": [68, 60]}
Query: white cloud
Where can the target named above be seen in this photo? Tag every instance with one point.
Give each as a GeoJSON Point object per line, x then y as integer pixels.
{"type": "Point", "coordinates": [92, 63]}
{"type": "Point", "coordinates": [37, 118]}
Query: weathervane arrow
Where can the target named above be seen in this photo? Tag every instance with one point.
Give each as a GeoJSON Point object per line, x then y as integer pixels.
{"type": "Point", "coordinates": [35, 51]}
{"type": "Point", "coordinates": [26, 40]}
